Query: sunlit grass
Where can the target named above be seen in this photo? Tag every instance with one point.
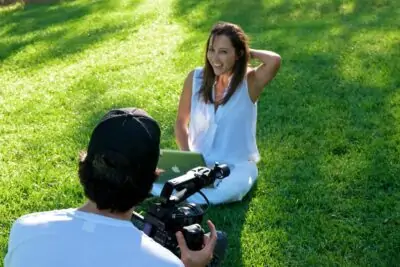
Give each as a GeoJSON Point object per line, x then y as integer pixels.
{"type": "Point", "coordinates": [328, 129]}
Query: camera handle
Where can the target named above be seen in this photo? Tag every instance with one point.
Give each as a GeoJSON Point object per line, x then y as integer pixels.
{"type": "Point", "coordinates": [191, 182]}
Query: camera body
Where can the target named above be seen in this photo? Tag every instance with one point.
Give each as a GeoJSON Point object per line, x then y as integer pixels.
{"type": "Point", "coordinates": [165, 218]}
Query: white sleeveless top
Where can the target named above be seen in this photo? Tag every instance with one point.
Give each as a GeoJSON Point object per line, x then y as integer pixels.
{"type": "Point", "coordinates": [227, 135]}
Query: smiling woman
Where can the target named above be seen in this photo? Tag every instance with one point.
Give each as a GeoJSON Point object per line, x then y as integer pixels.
{"type": "Point", "coordinates": [217, 111]}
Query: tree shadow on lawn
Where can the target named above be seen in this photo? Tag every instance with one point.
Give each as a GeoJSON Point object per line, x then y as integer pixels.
{"type": "Point", "coordinates": [327, 131]}
{"type": "Point", "coordinates": [332, 159]}
{"type": "Point", "coordinates": [54, 31]}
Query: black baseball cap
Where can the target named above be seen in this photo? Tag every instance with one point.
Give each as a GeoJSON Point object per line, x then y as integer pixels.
{"type": "Point", "coordinates": [128, 138]}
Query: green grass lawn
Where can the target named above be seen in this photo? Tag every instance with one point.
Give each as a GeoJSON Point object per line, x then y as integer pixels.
{"type": "Point", "coordinates": [328, 193]}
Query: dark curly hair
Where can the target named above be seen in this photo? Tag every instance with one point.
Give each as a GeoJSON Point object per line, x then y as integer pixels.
{"type": "Point", "coordinates": [110, 181]}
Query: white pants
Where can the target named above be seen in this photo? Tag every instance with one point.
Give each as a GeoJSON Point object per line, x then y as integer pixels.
{"type": "Point", "coordinates": [231, 189]}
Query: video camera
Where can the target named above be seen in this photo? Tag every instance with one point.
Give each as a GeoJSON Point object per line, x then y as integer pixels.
{"type": "Point", "coordinates": [164, 219]}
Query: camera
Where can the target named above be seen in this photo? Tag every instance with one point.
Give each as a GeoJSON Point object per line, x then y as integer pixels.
{"type": "Point", "coordinates": [163, 219]}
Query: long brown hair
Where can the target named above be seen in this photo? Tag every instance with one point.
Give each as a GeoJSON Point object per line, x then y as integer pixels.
{"type": "Point", "coordinates": [240, 43]}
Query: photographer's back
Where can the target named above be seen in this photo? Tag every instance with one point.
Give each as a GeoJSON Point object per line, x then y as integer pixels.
{"type": "Point", "coordinates": [70, 238]}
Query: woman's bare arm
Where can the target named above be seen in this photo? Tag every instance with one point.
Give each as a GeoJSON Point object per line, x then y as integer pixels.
{"type": "Point", "coordinates": [182, 120]}
{"type": "Point", "coordinates": [259, 77]}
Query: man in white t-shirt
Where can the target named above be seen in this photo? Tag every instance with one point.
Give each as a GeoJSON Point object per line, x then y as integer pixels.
{"type": "Point", "coordinates": [116, 173]}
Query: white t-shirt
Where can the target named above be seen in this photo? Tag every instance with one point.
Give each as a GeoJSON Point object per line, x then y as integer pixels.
{"type": "Point", "coordinates": [72, 238]}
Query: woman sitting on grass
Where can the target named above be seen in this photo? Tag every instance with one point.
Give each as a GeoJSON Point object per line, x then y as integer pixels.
{"type": "Point", "coordinates": [217, 111]}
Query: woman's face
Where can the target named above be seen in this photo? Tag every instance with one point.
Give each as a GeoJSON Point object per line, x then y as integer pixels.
{"type": "Point", "coordinates": [221, 54]}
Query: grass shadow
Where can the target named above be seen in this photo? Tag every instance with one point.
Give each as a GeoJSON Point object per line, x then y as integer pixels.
{"type": "Point", "coordinates": [35, 34]}
{"type": "Point", "coordinates": [333, 178]}
{"type": "Point", "coordinates": [229, 218]}
{"type": "Point", "coordinates": [327, 130]}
